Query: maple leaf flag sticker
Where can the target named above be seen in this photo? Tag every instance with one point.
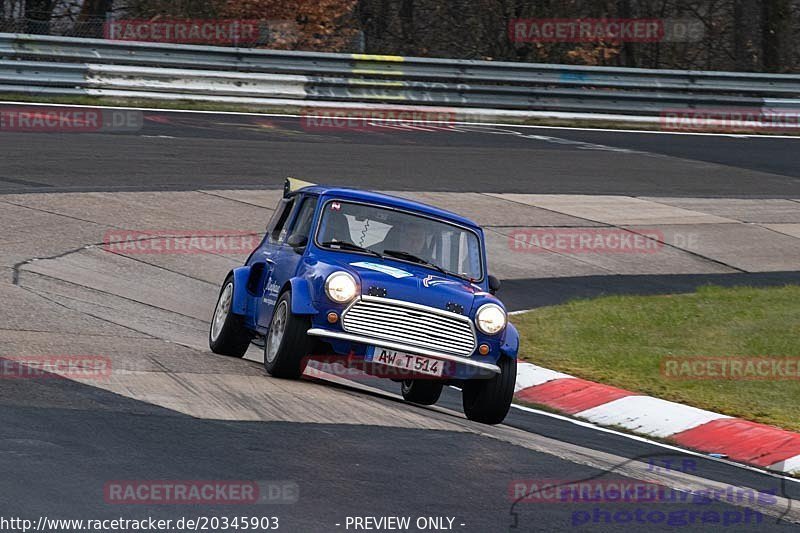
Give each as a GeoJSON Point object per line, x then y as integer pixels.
{"type": "Point", "coordinates": [432, 281]}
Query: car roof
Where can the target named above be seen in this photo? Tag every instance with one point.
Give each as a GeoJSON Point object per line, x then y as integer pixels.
{"type": "Point", "coordinates": [388, 200]}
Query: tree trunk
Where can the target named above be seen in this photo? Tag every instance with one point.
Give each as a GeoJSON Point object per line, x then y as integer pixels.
{"type": "Point", "coordinates": [37, 15]}
{"type": "Point", "coordinates": [407, 26]}
{"type": "Point", "coordinates": [776, 32]}
{"type": "Point", "coordinates": [92, 18]}
{"type": "Point", "coordinates": [627, 57]}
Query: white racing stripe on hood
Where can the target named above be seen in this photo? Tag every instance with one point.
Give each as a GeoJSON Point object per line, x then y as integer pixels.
{"type": "Point", "coordinates": [386, 269]}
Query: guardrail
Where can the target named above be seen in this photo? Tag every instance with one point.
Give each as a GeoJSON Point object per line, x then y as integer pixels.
{"type": "Point", "coordinates": [34, 64]}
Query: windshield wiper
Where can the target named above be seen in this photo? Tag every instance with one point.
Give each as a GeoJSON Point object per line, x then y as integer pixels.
{"type": "Point", "coordinates": [351, 246]}
{"type": "Point", "coordinates": [416, 259]}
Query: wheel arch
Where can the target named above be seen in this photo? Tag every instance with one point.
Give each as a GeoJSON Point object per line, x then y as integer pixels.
{"type": "Point", "coordinates": [510, 346]}
{"type": "Point", "coordinates": [241, 278]}
{"type": "Point", "coordinates": [302, 299]}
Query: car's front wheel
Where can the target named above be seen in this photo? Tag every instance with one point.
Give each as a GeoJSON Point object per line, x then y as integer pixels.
{"type": "Point", "coordinates": [228, 335]}
{"type": "Point", "coordinates": [421, 391]}
{"type": "Point", "coordinates": [287, 344]}
{"type": "Point", "coordinates": [489, 400]}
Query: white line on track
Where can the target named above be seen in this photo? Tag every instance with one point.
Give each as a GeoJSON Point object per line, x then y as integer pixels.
{"type": "Point", "coordinates": [359, 386]}
{"type": "Point", "coordinates": [449, 123]}
{"type": "Point", "coordinates": [637, 438]}
{"type": "Point", "coordinates": [645, 440]}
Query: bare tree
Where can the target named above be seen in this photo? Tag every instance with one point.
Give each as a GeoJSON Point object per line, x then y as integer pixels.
{"type": "Point", "coordinates": [776, 33]}
{"type": "Point", "coordinates": [38, 14]}
{"type": "Point", "coordinates": [92, 17]}
{"type": "Point", "coordinates": [741, 35]}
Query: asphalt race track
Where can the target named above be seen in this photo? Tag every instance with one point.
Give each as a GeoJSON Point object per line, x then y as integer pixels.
{"type": "Point", "coordinates": [181, 151]}
{"type": "Point", "coordinates": [171, 410]}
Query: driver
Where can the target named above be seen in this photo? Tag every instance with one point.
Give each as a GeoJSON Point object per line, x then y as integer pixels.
{"type": "Point", "coordinates": [338, 229]}
{"type": "Point", "coordinates": [416, 240]}
{"type": "Point", "coordinates": [410, 236]}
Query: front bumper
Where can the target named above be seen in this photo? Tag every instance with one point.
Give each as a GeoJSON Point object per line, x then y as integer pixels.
{"type": "Point", "coordinates": [367, 341]}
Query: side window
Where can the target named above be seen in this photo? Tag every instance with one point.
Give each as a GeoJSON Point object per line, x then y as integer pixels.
{"type": "Point", "coordinates": [305, 217]}
{"type": "Point", "coordinates": [277, 224]}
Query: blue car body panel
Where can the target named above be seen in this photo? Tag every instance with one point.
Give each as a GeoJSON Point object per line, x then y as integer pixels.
{"type": "Point", "coordinates": [275, 267]}
{"type": "Point", "coordinates": [242, 304]}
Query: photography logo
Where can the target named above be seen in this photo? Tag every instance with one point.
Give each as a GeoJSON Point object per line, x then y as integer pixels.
{"type": "Point", "coordinates": [645, 493]}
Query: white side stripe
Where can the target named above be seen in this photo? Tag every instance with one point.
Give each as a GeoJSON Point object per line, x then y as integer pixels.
{"type": "Point", "coordinates": [651, 416]}
{"type": "Point", "coordinates": [790, 466]}
{"type": "Point", "coordinates": [529, 375]}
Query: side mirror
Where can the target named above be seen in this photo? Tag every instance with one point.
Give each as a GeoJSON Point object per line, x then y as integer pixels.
{"type": "Point", "coordinates": [494, 284]}
{"type": "Point", "coordinates": [298, 241]}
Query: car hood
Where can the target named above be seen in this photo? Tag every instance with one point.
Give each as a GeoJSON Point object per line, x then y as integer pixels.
{"type": "Point", "coordinates": [412, 283]}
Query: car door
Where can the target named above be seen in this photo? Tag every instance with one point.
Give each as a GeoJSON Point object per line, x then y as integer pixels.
{"type": "Point", "coordinates": [262, 260]}
{"type": "Point", "coordinates": [284, 259]}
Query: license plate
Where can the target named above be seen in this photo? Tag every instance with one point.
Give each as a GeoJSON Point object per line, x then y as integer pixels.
{"type": "Point", "coordinates": [411, 363]}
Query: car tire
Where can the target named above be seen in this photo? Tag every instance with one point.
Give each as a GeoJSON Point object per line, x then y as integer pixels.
{"type": "Point", "coordinates": [488, 401]}
{"type": "Point", "coordinates": [421, 391]}
{"type": "Point", "coordinates": [286, 344]}
{"type": "Point", "coordinates": [227, 334]}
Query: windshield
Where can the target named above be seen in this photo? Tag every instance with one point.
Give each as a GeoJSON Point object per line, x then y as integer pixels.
{"type": "Point", "coordinates": [402, 235]}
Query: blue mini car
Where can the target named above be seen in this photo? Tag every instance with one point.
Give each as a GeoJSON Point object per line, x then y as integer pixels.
{"type": "Point", "coordinates": [396, 288]}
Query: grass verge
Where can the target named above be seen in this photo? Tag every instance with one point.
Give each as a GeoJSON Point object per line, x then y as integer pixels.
{"type": "Point", "coordinates": [622, 340]}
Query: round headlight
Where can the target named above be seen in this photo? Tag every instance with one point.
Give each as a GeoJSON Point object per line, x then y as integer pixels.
{"type": "Point", "coordinates": [341, 287]}
{"type": "Point", "coordinates": [490, 319]}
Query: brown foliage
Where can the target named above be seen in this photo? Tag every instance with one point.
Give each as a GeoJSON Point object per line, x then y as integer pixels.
{"type": "Point", "coordinates": [323, 25]}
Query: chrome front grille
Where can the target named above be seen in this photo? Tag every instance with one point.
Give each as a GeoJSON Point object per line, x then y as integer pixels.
{"type": "Point", "coordinates": [411, 324]}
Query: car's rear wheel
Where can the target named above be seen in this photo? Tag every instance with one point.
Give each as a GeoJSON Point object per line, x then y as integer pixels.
{"type": "Point", "coordinates": [228, 334]}
{"type": "Point", "coordinates": [421, 391]}
{"type": "Point", "coordinates": [287, 344]}
{"type": "Point", "coordinates": [489, 400]}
